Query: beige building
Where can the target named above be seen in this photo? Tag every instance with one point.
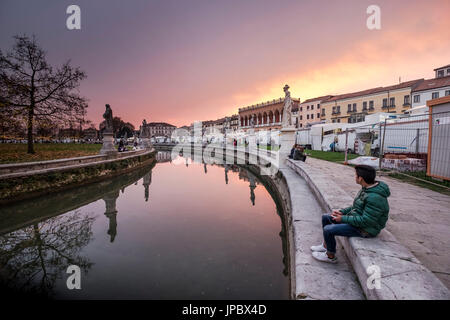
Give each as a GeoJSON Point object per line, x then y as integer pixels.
{"type": "Point", "coordinates": [264, 116]}
{"type": "Point", "coordinates": [353, 107]}
{"type": "Point", "coordinates": [309, 112]}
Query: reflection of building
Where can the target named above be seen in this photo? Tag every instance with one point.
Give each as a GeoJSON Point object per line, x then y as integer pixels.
{"type": "Point", "coordinates": [163, 157]}
{"type": "Point", "coordinates": [264, 116]}
{"type": "Point", "coordinates": [111, 213]}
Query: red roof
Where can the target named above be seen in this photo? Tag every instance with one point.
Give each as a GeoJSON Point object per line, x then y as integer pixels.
{"type": "Point", "coordinates": [402, 85]}
{"type": "Point", "coordinates": [442, 67]}
{"type": "Point", "coordinates": [318, 98]}
{"type": "Point", "coordinates": [433, 83]}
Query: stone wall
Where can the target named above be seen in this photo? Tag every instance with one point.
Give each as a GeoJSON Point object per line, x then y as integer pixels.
{"type": "Point", "coordinates": [32, 183]}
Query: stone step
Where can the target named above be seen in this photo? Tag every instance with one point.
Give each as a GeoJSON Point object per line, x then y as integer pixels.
{"type": "Point", "coordinates": [402, 276]}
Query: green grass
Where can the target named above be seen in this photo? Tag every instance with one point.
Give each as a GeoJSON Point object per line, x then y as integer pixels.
{"type": "Point", "coordinates": [17, 152]}
{"type": "Point", "coordinates": [267, 147]}
{"type": "Point", "coordinates": [330, 156]}
{"type": "Point", "coordinates": [422, 175]}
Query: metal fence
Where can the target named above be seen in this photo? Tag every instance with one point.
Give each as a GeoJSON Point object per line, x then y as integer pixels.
{"type": "Point", "coordinates": [400, 142]}
{"type": "Point", "coordinates": [439, 148]}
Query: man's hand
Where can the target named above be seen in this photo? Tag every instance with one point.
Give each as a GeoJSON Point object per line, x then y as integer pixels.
{"type": "Point", "coordinates": [336, 216]}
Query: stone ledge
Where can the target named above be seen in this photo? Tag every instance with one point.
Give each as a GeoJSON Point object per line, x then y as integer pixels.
{"type": "Point", "coordinates": [27, 168]}
{"type": "Point", "coordinates": [403, 277]}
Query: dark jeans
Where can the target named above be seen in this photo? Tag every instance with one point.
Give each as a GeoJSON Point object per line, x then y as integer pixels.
{"type": "Point", "coordinates": [332, 228]}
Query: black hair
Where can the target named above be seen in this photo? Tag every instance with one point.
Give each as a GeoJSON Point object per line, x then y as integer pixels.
{"type": "Point", "coordinates": [368, 173]}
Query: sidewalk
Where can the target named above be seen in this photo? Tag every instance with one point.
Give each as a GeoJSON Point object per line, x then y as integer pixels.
{"type": "Point", "coordinates": [419, 218]}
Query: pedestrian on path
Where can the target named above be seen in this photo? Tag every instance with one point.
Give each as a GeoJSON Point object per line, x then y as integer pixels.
{"type": "Point", "coordinates": [365, 218]}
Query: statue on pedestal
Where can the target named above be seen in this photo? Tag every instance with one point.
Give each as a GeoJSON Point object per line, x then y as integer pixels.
{"type": "Point", "coordinates": [144, 135]}
{"type": "Point", "coordinates": [108, 139]}
{"type": "Point", "coordinates": [108, 116]}
{"type": "Point", "coordinates": [287, 115]}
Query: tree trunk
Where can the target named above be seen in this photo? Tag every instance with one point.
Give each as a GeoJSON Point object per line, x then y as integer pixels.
{"type": "Point", "coordinates": [30, 129]}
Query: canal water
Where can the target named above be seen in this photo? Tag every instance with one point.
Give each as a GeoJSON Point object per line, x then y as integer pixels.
{"type": "Point", "coordinates": [175, 230]}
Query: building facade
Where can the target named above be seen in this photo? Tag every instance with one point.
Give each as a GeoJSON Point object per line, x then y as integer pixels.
{"type": "Point", "coordinates": [160, 129]}
{"type": "Point", "coordinates": [264, 116]}
{"type": "Point", "coordinates": [430, 89]}
{"type": "Point", "coordinates": [442, 71]}
{"type": "Point", "coordinates": [309, 112]}
{"type": "Point", "coordinates": [353, 107]}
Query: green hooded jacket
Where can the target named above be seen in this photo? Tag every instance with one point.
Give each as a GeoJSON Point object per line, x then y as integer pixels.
{"type": "Point", "coordinates": [370, 209]}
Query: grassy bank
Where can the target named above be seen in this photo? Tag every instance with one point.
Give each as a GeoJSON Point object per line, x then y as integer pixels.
{"type": "Point", "coordinates": [330, 156]}
{"type": "Point", "coordinates": [410, 178]}
{"type": "Point", "coordinates": [17, 152]}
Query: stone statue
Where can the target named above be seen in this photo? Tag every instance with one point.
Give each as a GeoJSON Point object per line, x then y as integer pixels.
{"type": "Point", "coordinates": [144, 130]}
{"type": "Point", "coordinates": [108, 119]}
{"type": "Point", "coordinates": [287, 115]}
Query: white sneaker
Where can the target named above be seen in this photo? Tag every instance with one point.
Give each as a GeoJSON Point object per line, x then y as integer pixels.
{"type": "Point", "coordinates": [322, 256]}
{"type": "Point", "coordinates": [319, 248]}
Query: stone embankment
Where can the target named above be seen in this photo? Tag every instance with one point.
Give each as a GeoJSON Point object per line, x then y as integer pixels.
{"type": "Point", "coordinates": [402, 276]}
{"type": "Point", "coordinates": [27, 180]}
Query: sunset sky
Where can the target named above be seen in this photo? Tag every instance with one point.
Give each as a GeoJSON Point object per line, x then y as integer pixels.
{"type": "Point", "coordinates": [180, 61]}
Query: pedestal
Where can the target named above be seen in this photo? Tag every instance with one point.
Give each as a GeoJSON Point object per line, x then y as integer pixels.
{"type": "Point", "coordinates": [108, 144]}
{"type": "Point", "coordinates": [146, 143]}
{"type": "Point", "coordinates": [287, 141]}
{"type": "Point", "coordinates": [251, 139]}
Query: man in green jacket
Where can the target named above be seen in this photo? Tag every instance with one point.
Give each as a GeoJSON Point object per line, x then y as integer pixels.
{"type": "Point", "coordinates": [365, 218]}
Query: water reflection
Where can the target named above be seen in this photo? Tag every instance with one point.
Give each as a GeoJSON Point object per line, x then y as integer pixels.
{"type": "Point", "coordinates": [32, 258]}
{"type": "Point", "coordinates": [194, 247]}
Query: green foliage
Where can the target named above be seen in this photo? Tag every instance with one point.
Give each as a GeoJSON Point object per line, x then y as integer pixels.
{"type": "Point", "coordinates": [17, 152]}
{"type": "Point", "coordinates": [330, 156]}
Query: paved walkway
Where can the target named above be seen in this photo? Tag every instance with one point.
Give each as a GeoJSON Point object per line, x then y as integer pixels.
{"type": "Point", "coordinates": [419, 218]}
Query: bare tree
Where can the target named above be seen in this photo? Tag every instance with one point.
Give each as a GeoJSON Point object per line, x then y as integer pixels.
{"type": "Point", "coordinates": [35, 90]}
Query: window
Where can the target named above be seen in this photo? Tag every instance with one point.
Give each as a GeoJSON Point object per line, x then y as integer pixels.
{"type": "Point", "coordinates": [318, 106]}
{"type": "Point", "coordinates": [440, 73]}
{"type": "Point", "coordinates": [301, 125]}
{"type": "Point", "coordinates": [371, 104]}
{"type": "Point", "coordinates": [312, 107]}
{"type": "Point", "coordinates": [385, 101]}
{"type": "Point", "coordinates": [406, 100]}
{"type": "Point", "coordinates": [448, 71]}
{"type": "Point", "coordinates": [334, 110]}
{"type": "Point", "coordinates": [312, 116]}
{"type": "Point", "coordinates": [447, 92]}
{"type": "Point", "coordinates": [318, 114]}
{"type": "Point", "coordinates": [392, 102]}
{"type": "Point", "coordinates": [354, 107]}
{"type": "Point", "coordinates": [349, 107]}
{"type": "Point", "coordinates": [416, 98]}
{"type": "Point", "coordinates": [338, 108]}
{"type": "Point", "coordinates": [364, 105]}
{"type": "Point", "coordinates": [307, 107]}
{"type": "Point", "coordinates": [301, 109]}
{"type": "Point", "coordinates": [307, 116]}
{"type": "Point", "coordinates": [339, 120]}
{"type": "Point", "coordinates": [333, 120]}
{"type": "Point", "coordinates": [435, 95]}
{"type": "Point", "coordinates": [301, 117]}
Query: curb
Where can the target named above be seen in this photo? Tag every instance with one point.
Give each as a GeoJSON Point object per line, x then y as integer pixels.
{"type": "Point", "coordinates": [402, 276]}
